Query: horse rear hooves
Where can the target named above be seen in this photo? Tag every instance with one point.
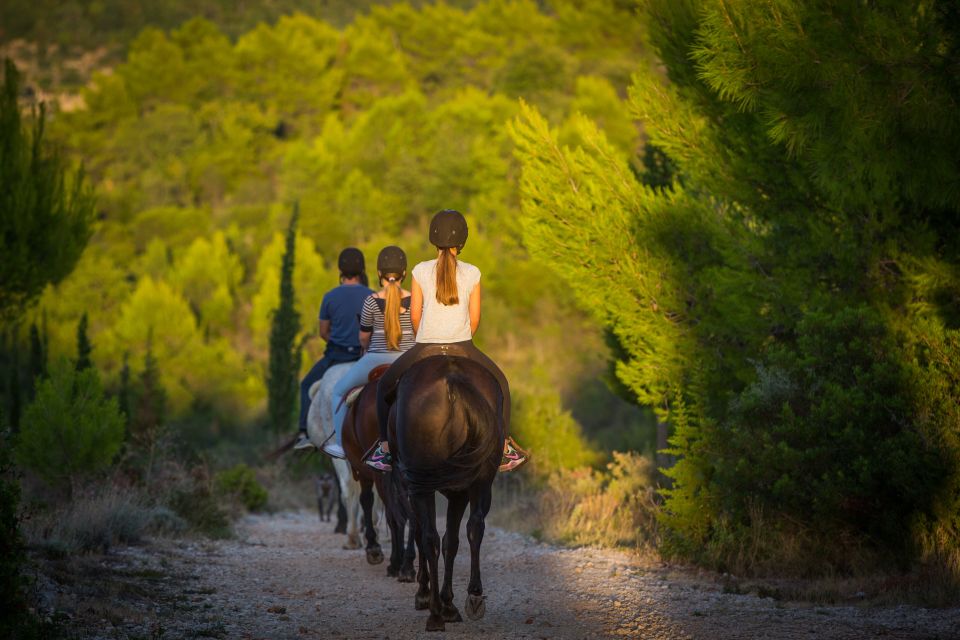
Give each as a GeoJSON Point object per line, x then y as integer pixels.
{"type": "Point", "coordinates": [393, 571]}
{"type": "Point", "coordinates": [476, 606]}
{"type": "Point", "coordinates": [374, 556]}
{"type": "Point", "coordinates": [421, 601]}
{"type": "Point", "coordinates": [435, 623]}
{"type": "Point", "coordinates": [407, 575]}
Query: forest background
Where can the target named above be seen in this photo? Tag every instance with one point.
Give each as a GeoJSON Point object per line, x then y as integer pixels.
{"type": "Point", "coordinates": [741, 217]}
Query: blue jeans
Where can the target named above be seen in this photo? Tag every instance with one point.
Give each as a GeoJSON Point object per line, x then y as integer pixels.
{"type": "Point", "coordinates": [356, 376]}
{"type": "Point", "coordinates": [334, 354]}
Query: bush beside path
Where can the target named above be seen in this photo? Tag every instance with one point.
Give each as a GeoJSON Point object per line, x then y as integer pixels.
{"type": "Point", "coordinates": [286, 576]}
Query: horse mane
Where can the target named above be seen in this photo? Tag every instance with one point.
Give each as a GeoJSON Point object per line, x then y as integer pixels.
{"type": "Point", "coordinates": [480, 453]}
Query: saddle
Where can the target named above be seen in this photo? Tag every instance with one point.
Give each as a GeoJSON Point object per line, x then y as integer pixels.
{"type": "Point", "coordinates": [375, 374]}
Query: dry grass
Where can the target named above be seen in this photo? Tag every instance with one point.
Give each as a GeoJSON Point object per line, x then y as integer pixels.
{"type": "Point", "coordinates": [614, 508]}
{"type": "Point", "coordinates": [97, 520]}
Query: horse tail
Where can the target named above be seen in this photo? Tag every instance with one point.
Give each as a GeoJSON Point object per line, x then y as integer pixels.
{"type": "Point", "coordinates": [479, 454]}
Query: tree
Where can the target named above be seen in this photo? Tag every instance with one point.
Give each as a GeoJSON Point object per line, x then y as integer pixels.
{"type": "Point", "coordinates": [284, 353]}
{"type": "Point", "coordinates": [46, 211]}
{"type": "Point", "coordinates": [38, 355]}
{"type": "Point", "coordinates": [802, 258]}
{"type": "Point", "coordinates": [71, 429]}
{"type": "Point", "coordinates": [149, 413]}
{"type": "Point", "coordinates": [84, 348]}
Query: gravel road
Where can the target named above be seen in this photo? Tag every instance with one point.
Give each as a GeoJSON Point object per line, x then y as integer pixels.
{"type": "Point", "coordinates": [286, 576]}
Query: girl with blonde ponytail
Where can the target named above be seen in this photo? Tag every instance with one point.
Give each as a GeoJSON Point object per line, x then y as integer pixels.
{"type": "Point", "coordinates": [386, 331]}
{"type": "Point", "coordinates": [445, 310]}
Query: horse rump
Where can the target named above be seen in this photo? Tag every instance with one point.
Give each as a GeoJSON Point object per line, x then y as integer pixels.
{"type": "Point", "coordinates": [466, 397]}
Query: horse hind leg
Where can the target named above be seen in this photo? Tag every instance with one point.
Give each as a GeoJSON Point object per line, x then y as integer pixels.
{"type": "Point", "coordinates": [374, 552]}
{"type": "Point", "coordinates": [475, 606]}
{"type": "Point", "coordinates": [456, 505]}
{"type": "Point", "coordinates": [425, 509]}
{"type": "Point", "coordinates": [409, 554]}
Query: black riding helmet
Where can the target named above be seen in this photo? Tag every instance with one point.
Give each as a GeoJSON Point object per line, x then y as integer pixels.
{"type": "Point", "coordinates": [392, 259]}
{"type": "Point", "coordinates": [448, 229]}
{"type": "Point", "coordinates": [351, 262]}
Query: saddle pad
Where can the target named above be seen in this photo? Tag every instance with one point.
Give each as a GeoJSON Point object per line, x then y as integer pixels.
{"type": "Point", "coordinates": [375, 374]}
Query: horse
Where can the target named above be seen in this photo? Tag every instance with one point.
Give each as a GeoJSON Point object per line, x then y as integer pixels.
{"type": "Point", "coordinates": [360, 434]}
{"type": "Point", "coordinates": [447, 433]}
{"type": "Point", "coordinates": [319, 428]}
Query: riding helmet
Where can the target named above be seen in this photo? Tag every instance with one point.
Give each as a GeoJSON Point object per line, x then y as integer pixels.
{"type": "Point", "coordinates": [392, 259]}
{"type": "Point", "coordinates": [351, 262]}
{"type": "Point", "coordinates": [448, 229]}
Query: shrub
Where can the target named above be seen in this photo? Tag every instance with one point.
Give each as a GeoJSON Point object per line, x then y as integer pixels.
{"type": "Point", "coordinates": [201, 507]}
{"type": "Point", "coordinates": [821, 451]}
{"type": "Point", "coordinates": [241, 483]}
{"type": "Point", "coordinates": [96, 521]}
{"type": "Point", "coordinates": [71, 428]}
{"type": "Point", "coordinates": [616, 508]}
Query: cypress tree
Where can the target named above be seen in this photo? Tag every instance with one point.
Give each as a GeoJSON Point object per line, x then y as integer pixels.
{"type": "Point", "coordinates": [149, 413]}
{"type": "Point", "coordinates": [123, 395]}
{"type": "Point", "coordinates": [284, 352]}
{"type": "Point", "coordinates": [84, 348]}
{"type": "Point", "coordinates": [38, 357]}
{"type": "Point", "coordinates": [47, 212]}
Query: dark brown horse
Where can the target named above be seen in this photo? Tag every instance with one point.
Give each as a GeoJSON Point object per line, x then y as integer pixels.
{"type": "Point", "coordinates": [360, 433]}
{"type": "Point", "coordinates": [448, 436]}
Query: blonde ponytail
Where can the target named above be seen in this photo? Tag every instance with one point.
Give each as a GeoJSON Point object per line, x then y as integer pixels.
{"type": "Point", "coordinates": [447, 278]}
{"type": "Point", "coordinates": [391, 313]}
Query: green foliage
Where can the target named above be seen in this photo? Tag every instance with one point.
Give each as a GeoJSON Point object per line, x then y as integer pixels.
{"type": "Point", "coordinates": [71, 429]}
{"type": "Point", "coordinates": [202, 135]}
{"type": "Point", "coordinates": [782, 273]}
{"type": "Point", "coordinates": [201, 508]}
{"type": "Point", "coordinates": [47, 212]}
{"type": "Point", "coordinates": [284, 353]}
{"type": "Point", "coordinates": [240, 482]}
{"type": "Point", "coordinates": [545, 428]}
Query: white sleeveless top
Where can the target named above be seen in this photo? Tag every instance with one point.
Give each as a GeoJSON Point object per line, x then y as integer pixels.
{"type": "Point", "coordinates": [442, 323]}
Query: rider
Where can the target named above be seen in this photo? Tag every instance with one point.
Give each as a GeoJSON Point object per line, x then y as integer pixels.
{"type": "Point", "coordinates": [445, 310]}
{"type": "Point", "coordinates": [385, 332]}
{"type": "Point", "coordinates": [338, 326]}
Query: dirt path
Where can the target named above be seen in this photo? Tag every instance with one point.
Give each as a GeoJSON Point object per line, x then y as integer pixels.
{"type": "Point", "coordinates": [286, 576]}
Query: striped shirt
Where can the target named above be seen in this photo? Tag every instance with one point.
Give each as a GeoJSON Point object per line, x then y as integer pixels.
{"type": "Point", "coordinates": [371, 319]}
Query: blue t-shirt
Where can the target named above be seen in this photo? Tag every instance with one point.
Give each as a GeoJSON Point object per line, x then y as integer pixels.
{"type": "Point", "coordinates": [341, 306]}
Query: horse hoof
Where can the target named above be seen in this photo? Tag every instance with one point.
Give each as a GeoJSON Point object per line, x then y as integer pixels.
{"type": "Point", "coordinates": [451, 614]}
{"type": "Point", "coordinates": [407, 575]}
{"type": "Point", "coordinates": [374, 556]}
{"type": "Point", "coordinates": [476, 606]}
{"type": "Point", "coordinates": [393, 572]}
{"type": "Point", "coordinates": [434, 623]}
{"type": "Point", "coordinates": [421, 601]}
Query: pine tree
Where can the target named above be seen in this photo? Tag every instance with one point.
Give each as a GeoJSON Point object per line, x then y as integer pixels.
{"type": "Point", "coordinates": [84, 348]}
{"type": "Point", "coordinates": [779, 302]}
{"type": "Point", "coordinates": [284, 354]}
{"type": "Point", "coordinates": [47, 212]}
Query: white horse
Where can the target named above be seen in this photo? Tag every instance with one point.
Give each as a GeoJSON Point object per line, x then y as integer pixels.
{"type": "Point", "coordinates": [319, 427]}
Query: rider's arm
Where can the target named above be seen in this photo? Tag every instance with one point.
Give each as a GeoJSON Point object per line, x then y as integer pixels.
{"type": "Point", "coordinates": [325, 330]}
{"type": "Point", "coordinates": [475, 309]}
{"type": "Point", "coordinates": [416, 304]}
{"type": "Point", "coordinates": [365, 340]}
